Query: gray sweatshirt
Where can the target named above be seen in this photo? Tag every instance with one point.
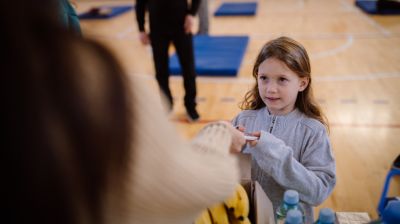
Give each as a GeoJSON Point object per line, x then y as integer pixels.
{"type": "Point", "coordinates": [293, 152]}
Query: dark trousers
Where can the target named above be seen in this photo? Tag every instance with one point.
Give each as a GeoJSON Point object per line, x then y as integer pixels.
{"type": "Point", "coordinates": [184, 47]}
{"type": "Point", "coordinates": [387, 5]}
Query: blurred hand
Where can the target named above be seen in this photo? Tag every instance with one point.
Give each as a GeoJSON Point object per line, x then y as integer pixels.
{"type": "Point", "coordinates": [254, 142]}
{"type": "Point", "coordinates": [188, 23]}
{"type": "Point", "coordinates": [144, 38]}
{"type": "Point", "coordinates": [240, 128]}
{"type": "Point", "coordinates": [238, 140]}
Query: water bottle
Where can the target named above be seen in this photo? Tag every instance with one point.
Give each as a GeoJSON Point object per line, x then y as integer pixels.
{"type": "Point", "coordinates": [294, 217]}
{"type": "Point", "coordinates": [290, 202]}
{"type": "Point", "coordinates": [390, 215]}
{"type": "Point", "coordinates": [326, 216]}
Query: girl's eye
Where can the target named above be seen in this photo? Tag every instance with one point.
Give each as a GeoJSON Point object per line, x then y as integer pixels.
{"type": "Point", "coordinates": [283, 80]}
{"type": "Point", "coordinates": [262, 77]}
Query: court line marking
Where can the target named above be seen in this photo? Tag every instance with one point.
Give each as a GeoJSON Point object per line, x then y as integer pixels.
{"type": "Point", "coordinates": [322, 36]}
{"type": "Point", "coordinates": [348, 7]}
{"type": "Point", "coordinates": [373, 23]}
{"type": "Point", "coordinates": [235, 100]}
{"type": "Point", "coordinates": [239, 80]}
{"type": "Point", "coordinates": [256, 36]}
{"type": "Point", "coordinates": [126, 32]}
{"type": "Point", "coordinates": [380, 101]}
{"type": "Point", "coordinates": [125, 35]}
{"type": "Point", "coordinates": [369, 20]}
{"type": "Point", "coordinates": [362, 77]}
{"type": "Point", "coordinates": [300, 4]}
{"type": "Point", "coordinates": [348, 101]}
{"type": "Point", "coordinates": [333, 124]}
{"type": "Point", "coordinates": [334, 51]}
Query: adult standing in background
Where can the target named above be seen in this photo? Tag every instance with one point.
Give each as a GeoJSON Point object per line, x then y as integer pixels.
{"type": "Point", "coordinates": [171, 21]}
{"type": "Point", "coordinates": [203, 18]}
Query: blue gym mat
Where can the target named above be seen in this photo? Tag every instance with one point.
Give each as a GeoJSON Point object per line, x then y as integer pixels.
{"type": "Point", "coordinates": [370, 7]}
{"type": "Point", "coordinates": [215, 55]}
{"type": "Point", "coordinates": [114, 11]}
{"type": "Point", "coordinates": [237, 9]}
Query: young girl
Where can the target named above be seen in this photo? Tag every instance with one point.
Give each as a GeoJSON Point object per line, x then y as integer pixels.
{"type": "Point", "coordinates": [293, 150]}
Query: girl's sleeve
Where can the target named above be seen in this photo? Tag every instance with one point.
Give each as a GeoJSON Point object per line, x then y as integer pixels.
{"type": "Point", "coordinates": [313, 176]}
{"type": "Point", "coordinates": [170, 174]}
{"type": "Point", "coordinates": [235, 121]}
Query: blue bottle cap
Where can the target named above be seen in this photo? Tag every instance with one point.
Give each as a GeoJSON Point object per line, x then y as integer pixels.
{"type": "Point", "coordinates": [326, 215]}
{"type": "Point", "coordinates": [294, 217]}
{"type": "Point", "coordinates": [391, 213]}
{"type": "Point", "coordinates": [291, 197]}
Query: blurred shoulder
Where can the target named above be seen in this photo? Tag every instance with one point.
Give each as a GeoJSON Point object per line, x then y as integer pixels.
{"type": "Point", "coordinates": [312, 124]}
{"type": "Point", "coordinates": [249, 113]}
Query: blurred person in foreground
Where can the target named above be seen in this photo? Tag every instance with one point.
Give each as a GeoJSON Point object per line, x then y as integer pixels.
{"type": "Point", "coordinates": [83, 144]}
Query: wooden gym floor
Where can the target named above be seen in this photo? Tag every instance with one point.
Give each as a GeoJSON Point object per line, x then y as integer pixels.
{"type": "Point", "coordinates": [355, 61]}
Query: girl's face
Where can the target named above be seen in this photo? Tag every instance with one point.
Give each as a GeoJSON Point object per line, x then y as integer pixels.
{"type": "Point", "coordinates": [278, 86]}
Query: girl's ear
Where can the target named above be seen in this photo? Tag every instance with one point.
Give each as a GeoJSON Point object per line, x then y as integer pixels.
{"type": "Point", "coordinates": [303, 83]}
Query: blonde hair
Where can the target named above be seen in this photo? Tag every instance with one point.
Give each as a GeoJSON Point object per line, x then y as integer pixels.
{"type": "Point", "coordinates": [295, 57]}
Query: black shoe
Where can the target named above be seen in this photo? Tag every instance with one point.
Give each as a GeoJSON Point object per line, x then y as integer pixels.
{"type": "Point", "coordinates": [192, 115]}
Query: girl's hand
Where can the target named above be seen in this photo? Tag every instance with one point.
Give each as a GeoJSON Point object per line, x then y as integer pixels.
{"type": "Point", "coordinates": [240, 128]}
{"type": "Point", "coordinates": [253, 143]}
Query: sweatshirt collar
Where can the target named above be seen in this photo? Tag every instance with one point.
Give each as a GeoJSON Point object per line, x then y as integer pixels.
{"type": "Point", "coordinates": [281, 119]}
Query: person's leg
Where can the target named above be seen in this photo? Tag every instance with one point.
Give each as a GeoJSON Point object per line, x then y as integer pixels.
{"type": "Point", "coordinates": [184, 48]}
{"type": "Point", "coordinates": [203, 17]}
{"type": "Point", "coordinates": [160, 44]}
{"type": "Point", "coordinates": [383, 5]}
